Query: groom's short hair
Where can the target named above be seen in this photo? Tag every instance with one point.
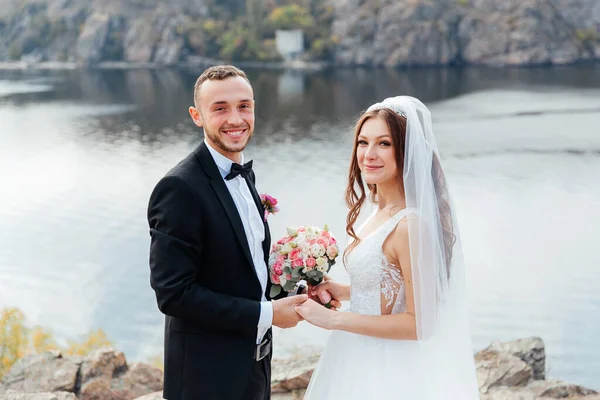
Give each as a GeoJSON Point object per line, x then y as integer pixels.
{"type": "Point", "coordinates": [217, 73]}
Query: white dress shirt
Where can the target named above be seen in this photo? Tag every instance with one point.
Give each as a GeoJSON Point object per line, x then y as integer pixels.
{"type": "Point", "coordinates": [254, 229]}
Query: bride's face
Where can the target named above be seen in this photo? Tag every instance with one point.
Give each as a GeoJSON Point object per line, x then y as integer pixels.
{"type": "Point", "coordinates": [375, 152]}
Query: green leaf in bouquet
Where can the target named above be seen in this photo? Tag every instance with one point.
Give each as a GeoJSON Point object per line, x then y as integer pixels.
{"type": "Point", "coordinates": [275, 290]}
{"type": "Point", "coordinates": [282, 280]}
{"type": "Point", "coordinates": [315, 277]}
{"type": "Point", "coordinates": [326, 228]}
{"type": "Point", "coordinates": [297, 273]}
{"type": "Point", "coordinates": [289, 286]}
{"type": "Point", "coordinates": [313, 281]}
{"type": "Point", "coordinates": [313, 273]}
{"type": "Point", "coordinates": [287, 270]}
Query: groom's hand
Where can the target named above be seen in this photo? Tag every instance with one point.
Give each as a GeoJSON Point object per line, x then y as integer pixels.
{"type": "Point", "coordinates": [284, 315]}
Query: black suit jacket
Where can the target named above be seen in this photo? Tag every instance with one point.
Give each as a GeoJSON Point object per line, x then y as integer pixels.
{"type": "Point", "coordinates": [205, 281]}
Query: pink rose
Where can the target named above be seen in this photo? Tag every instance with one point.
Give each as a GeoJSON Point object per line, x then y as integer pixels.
{"type": "Point", "coordinates": [301, 229]}
{"type": "Point", "coordinates": [332, 240]}
{"type": "Point", "coordinates": [268, 199]}
{"type": "Point", "coordinates": [298, 263]}
{"type": "Point", "coordinates": [280, 259]}
{"type": "Point", "coordinates": [272, 200]}
{"type": "Point", "coordinates": [311, 262]}
{"type": "Point", "coordinates": [326, 234]}
{"type": "Point", "coordinates": [295, 254]}
{"type": "Point", "coordinates": [278, 269]}
{"type": "Point", "coordinates": [275, 279]}
{"type": "Point", "coordinates": [323, 241]}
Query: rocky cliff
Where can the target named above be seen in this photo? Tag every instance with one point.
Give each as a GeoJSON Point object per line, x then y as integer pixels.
{"type": "Point", "coordinates": [342, 32]}
{"type": "Point", "coordinates": [90, 31]}
{"type": "Point", "coordinates": [488, 32]}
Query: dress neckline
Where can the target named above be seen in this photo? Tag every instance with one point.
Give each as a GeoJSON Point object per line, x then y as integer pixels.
{"type": "Point", "coordinates": [392, 218]}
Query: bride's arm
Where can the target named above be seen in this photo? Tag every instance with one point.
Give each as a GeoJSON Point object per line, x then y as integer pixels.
{"type": "Point", "coordinates": [400, 326]}
{"type": "Point", "coordinates": [396, 326]}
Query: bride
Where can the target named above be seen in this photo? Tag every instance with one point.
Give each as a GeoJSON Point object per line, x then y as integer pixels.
{"type": "Point", "coordinates": [406, 335]}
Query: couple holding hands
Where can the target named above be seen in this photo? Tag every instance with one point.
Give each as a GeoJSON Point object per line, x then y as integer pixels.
{"type": "Point", "coordinates": [406, 332]}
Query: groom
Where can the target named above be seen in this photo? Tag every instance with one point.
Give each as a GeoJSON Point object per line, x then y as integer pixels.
{"type": "Point", "coordinates": [208, 255]}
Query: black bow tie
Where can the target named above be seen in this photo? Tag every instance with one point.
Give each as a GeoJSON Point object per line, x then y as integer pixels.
{"type": "Point", "coordinates": [237, 169]}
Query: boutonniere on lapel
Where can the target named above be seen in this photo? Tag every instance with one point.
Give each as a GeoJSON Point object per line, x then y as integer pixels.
{"type": "Point", "coordinates": [269, 204]}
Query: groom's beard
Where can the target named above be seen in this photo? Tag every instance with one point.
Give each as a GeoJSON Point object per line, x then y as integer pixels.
{"type": "Point", "coordinates": [217, 139]}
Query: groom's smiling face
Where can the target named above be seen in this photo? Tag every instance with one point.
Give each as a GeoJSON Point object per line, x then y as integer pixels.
{"type": "Point", "coordinates": [225, 109]}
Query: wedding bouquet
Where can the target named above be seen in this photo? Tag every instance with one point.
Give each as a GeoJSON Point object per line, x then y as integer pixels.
{"type": "Point", "coordinates": [305, 253]}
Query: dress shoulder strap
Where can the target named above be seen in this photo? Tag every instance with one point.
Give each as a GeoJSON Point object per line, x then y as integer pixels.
{"type": "Point", "coordinates": [400, 215]}
{"type": "Point", "coordinates": [387, 227]}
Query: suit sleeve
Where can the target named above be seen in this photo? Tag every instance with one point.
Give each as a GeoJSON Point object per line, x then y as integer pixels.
{"type": "Point", "coordinates": [175, 224]}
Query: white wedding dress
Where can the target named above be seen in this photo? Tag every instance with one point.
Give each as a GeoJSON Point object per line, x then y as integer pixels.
{"type": "Point", "coordinates": [361, 367]}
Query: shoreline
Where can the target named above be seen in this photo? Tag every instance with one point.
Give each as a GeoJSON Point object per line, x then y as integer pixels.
{"type": "Point", "coordinates": [123, 65]}
{"type": "Point", "coordinates": [293, 65]}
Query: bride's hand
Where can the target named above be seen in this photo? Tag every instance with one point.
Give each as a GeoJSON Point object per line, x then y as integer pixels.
{"type": "Point", "coordinates": [316, 314]}
{"type": "Point", "coordinates": [322, 297]}
{"type": "Point", "coordinates": [330, 291]}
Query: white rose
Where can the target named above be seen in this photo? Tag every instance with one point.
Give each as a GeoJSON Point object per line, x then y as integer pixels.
{"type": "Point", "coordinates": [332, 251]}
{"type": "Point", "coordinates": [310, 233]}
{"type": "Point", "coordinates": [286, 249]}
{"type": "Point", "coordinates": [292, 232]}
{"type": "Point", "coordinates": [322, 264]}
{"type": "Point", "coordinates": [317, 250]}
{"type": "Point", "coordinates": [272, 258]}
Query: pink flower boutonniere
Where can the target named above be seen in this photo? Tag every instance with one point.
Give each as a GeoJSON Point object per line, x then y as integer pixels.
{"type": "Point", "coordinates": [269, 204]}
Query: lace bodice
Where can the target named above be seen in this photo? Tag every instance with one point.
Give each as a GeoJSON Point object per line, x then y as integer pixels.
{"type": "Point", "coordinates": [376, 284]}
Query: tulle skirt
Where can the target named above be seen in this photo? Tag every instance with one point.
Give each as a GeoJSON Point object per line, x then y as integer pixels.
{"type": "Point", "coordinates": [361, 367]}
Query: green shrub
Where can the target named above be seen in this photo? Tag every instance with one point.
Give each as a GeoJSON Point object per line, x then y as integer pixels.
{"type": "Point", "coordinates": [291, 16]}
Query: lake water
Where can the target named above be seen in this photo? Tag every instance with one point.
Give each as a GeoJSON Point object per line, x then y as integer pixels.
{"type": "Point", "coordinates": [80, 152]}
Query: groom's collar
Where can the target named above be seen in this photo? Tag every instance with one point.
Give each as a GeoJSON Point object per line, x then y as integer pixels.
{"type": "Point", "coordinates": [223, 163]}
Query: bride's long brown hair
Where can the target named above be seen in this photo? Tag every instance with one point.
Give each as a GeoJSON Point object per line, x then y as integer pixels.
{"type": "Point", "coordinates": [356, 194]}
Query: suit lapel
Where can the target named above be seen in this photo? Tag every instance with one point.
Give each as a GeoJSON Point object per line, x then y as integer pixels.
{"type": "Point", "coordinates": [218, 185]}
{"type": "Point", "coordinates": [256, 197]}
{"type": "Point", "coordinates": [261, 211]}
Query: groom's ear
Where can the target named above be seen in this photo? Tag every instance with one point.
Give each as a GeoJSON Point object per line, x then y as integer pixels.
{"type": "Point", "coordinates": [196, 116]}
